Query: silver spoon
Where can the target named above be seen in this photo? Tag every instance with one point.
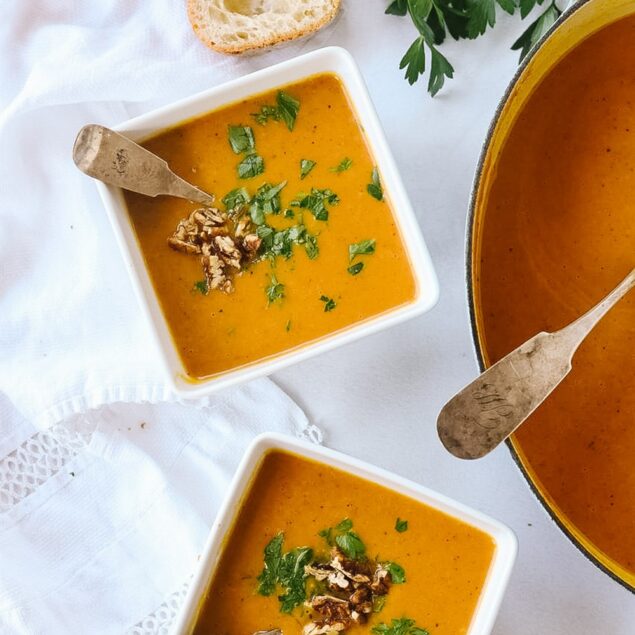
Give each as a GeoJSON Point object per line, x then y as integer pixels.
{"type": "Point", "coordinates": [489, 409]}
{"type": "Point", "coordinates": [114, 159]}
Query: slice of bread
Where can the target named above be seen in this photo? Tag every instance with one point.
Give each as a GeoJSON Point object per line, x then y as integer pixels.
{"type": "Point", "coordinates": [236, 26]}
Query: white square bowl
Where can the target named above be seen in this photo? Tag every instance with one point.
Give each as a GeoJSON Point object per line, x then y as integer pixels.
{"type": "Point", "coordinates": [505, 540]}
{"type": "Point", "coordinates": [327, 60]}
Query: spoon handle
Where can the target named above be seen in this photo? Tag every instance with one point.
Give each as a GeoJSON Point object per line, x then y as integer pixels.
{"type": "Point", "coordinates": [489, 409]}
{"type": "Point", "coordinates": [114, 159]}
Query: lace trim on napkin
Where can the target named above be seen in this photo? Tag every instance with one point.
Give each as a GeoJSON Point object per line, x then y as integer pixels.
{"type": "Point", "coordinates": [160, 621]}
{"type": "Point", "coordinates": [40, 457]}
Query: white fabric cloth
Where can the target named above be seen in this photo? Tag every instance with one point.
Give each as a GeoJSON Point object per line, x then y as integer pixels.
{"type": "Point", "coordinates": [101, 518]}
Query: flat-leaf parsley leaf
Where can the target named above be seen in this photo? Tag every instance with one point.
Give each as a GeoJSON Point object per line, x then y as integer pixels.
{"type": "Point", "coordinates": [374, 188]}
{"type": "Point", "coordinates": [329, 303]}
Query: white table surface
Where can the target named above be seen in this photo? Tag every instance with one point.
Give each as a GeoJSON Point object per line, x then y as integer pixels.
{"type": "Point", "coordinates": [378, 399]}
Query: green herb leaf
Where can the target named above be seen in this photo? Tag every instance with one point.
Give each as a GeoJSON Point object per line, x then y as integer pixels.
{"type": "Point", "coordinates": [236, 198]}
{"type": "Point", "coordinates": [401, 626]}
{"type": "Point", "coordinates": [201, 287]}
{"type": "Point", "coordinates": [342, 166]}
{"type": "Point", "coordinates": [329, 303]}
{"type": "Point", "coordinates": [266, 201]}
{"type": "Point", "coordinates": [350, 543]}
{"type": "Point", "coordinates": [397, 572]}
{"type": "Point", "coordinates": [461, 19]}
{"type": "Point", "coordinates": [356, 268]}
{"type": "Point", "coordinates": [286, 109]}
{"type": "Point", "coordinates": [241, 138]}
{"type": "Point", "coordinates": [414, 61]}
{"type": "Point", "coordinates": [536, 30]}
{"type": "Point", "coordinates": [289, 213]}
{"type": "Point", "coordinates": [291, 577]}
{"type": "Point", "coordinates": [275, 290]}
{"type": "Point", "coordinates": [285, 570]}
{"type": "Point", "coordinates": [344, 525]}
{"type": "Point", "coordinates": [440, 68]}
{"type": "Point", "coordinates": [306, 166]}
{"type": "Point", "coordinates": [266, 113]}
{"type": "Point", "coordinates": [272, 556]}
{"type": "Point", "coordinates": [252, 165]}
{"type": "Point", "coordinates": [287, 326]}
{"type": "Point", "coordinates": [280, 242]}
{"type": "Point", "coordinates": [362, 248]}
{"type": "Point", "coordinates": [397, 7]}
{"type": "Point", "coordinates": [316, 202]}
{"type": "Point", "coordinates": [379, 602]}
{"type": "Point", "coordinates": [401, 525]}
{"type": "Point", "coordinates": [311, 246]}
{"type": "Point", "coordinates": [289, 107]}
{"type": "Point", "coordinates": [374, 188]}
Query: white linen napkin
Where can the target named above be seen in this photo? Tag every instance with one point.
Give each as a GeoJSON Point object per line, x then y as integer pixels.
{"type": "Point", "coordinates": [104, 515]}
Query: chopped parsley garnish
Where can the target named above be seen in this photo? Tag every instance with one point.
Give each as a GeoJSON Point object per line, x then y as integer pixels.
{"type": "Point", "coordinates": [287, 326]}
{"type": "Point", "coordinates": [401, 525]}
{"type": "Point", "coordinates": [329, 303]}
{"type": "Point", "coordinates": [286, 109]}
{"type": "Point", "coordinates": [379, 601]}
{"type": "Point", "coordinates": [343, 165]}
{"type": "Point", "coordinates": [306, 166]}
{"type": "Point", "coordinates": [362, 248]}
{"type": "Point", "coordinates": [343, 535]}
{"type": "Point", "coordinates": [356, 268]}
{"type": "Point", "coordinates": [272, 555]}
{"type": "Point", "coordinates": [311, 246]}
{"type": "Point", "coordinates": [266, 201]}
{"type": "Point", "coordinates": [201, 287]}
{"type": "Point", "coordinates": [316, 202]}
{"type": "Point", "coordinates": [374, 188]}
{"type": "Point", "coordinates": [285, 570]}
{"type": "Point", "coordinates": [275, 290]}
{"type": "Point", "coordinates": [397, 572]}
{"type": "Point", "coordinates": [280, 242]}
{"type": "Point", "coordinates": [252, 165]}
{"type": "Point", "coordinates": [236, 198]}
{"type": "Point", "coordinates": [401, 626]}
{"type": "Point", "coordinates": [241, 139]}
{"type": "Point", "coordinates": [289, 213]}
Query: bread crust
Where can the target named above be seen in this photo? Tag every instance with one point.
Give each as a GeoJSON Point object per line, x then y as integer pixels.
{"type": "Point", "coordinates": [264, 42]}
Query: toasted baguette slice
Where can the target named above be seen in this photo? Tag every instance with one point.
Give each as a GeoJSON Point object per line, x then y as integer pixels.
{"type": "Point", "coordinates": [236, 26]}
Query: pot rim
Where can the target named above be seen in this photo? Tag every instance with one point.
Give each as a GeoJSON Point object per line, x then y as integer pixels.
{"type": "Point", "coordinates": [469, 250]}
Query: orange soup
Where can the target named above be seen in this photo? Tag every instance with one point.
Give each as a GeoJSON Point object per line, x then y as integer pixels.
{"type": "Point", "coordinates": [558, 234]}
{"type": "Point", "coordinates": [437, 564]}
{"type": "Point", "coordinates": [329, 253]}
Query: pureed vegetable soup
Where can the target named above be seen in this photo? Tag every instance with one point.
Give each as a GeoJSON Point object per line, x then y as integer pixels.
{"type": "Point", "coordinates": [313, 546]}
{"type": "Point", "coordinates": [558, 234]}
{"type": "Point", "coordinates": [315, 245]}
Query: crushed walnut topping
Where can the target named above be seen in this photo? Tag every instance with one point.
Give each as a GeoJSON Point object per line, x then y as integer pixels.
{"type": "Point", "coordinates": [224, 247]}
{"type": "Point", "coordinates": [353, 586]}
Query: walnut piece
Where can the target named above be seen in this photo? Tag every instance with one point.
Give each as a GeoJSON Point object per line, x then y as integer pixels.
{"type": "Point", "coordinates": [353, 586]}
{"type": "Point", "coordinates": [207, 231]}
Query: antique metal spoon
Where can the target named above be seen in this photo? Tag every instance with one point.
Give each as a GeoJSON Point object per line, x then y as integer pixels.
{"type": "Point", "coordinates": [114, 159]}
{"type": "Point", "coordinates": [489, 409]}
{"type": "Point", "coordinates": [275, 631]}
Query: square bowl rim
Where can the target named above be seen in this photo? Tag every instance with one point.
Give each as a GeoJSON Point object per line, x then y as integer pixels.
{"type": "Point", "coordinates": [499, 572]}
{"type": "Point", "coordinates": [331, 59]}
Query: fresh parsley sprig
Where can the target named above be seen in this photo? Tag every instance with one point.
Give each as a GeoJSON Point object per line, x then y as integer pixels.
{"type": "Point", "coordinates": [461, 19]}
